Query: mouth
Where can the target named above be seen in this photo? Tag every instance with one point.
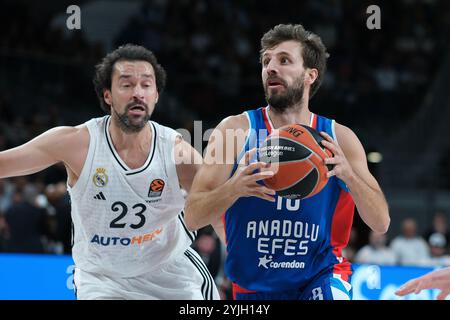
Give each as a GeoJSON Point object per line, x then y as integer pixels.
{"type": "Point", "coordinates": [137, 110]}
{"type": "Point", "coordinates": [274, 84]}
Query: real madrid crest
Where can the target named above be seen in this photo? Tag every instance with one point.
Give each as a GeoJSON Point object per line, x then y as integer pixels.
{"type": "Point", "coordinates": [100, 177]}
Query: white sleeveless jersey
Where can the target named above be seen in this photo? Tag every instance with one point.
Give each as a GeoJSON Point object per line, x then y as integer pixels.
{"type": "Point", "coordinates": [127, 221]}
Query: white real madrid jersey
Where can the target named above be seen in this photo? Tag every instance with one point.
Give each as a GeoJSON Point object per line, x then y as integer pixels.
{"type": "Point", "coordinates": [127, 221]}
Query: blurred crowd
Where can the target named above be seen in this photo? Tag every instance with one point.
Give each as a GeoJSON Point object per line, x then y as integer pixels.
{"type": "Point", "coordinates": [210, 49]}
{"type": "Point", "coordinates": [213, 49]}
{"type": "Point", "coordinates": [211, 52]}
{"type": "Point", "coordinates": [430, 248]}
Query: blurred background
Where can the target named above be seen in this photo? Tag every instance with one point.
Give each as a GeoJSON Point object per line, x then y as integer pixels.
{"type": "Point", "coordinates": [389, 85]}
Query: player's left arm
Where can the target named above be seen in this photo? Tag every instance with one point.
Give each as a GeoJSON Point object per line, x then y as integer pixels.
{"type": "Point", "coordinates": [350, 165]}
{"type": "Point", "coordinates": [188, 162]}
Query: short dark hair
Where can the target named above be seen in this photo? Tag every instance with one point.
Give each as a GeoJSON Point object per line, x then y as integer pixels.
{"type": "Point", "coordinates": [314, 52]}
{"type": "Point", "coordinates": [129, 52]}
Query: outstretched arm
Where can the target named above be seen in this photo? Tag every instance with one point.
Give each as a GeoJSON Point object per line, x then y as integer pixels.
{"type": "Point", "coordinates": [61, 144]}
{"type": "Point", "coordinates": [437, 279]}
{"type": "Point", "coordinates": [350, 165]}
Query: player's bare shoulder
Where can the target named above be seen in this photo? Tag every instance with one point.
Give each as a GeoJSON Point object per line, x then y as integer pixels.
{"type": "Point", "coordinates": [229, 136]}
{"type": "Point", "coordinates": [72, 148]}
{"type": "Point", "coordinates": [235, 122]}
{"type": "Point", "coordinates": [344, 134]}
{"type": "Point", "coordinates": [348, 140]}
{"type": "Point", "coordinates": [66, 142]}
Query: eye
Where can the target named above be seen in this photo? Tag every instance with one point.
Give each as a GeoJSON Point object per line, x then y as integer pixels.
{"type": "Point", "coordinates": [284, 60]}
{"type": "Point", "coordinates": [265, 62]}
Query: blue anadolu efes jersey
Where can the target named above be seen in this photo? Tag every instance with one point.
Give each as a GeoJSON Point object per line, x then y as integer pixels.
{"type": "Point", "coordinates": [282, 245]}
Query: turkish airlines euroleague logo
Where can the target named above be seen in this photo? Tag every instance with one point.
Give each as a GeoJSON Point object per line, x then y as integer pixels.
{"type": "Point", "coordinates": [156, 188]}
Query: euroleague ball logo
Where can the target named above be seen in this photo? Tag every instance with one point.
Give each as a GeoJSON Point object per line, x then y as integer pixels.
{"type": "Point", "coordinates": [156, 188]}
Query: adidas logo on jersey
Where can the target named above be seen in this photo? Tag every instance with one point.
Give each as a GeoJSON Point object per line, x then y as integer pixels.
{"type": "Point", "coordinates": [100, 196]}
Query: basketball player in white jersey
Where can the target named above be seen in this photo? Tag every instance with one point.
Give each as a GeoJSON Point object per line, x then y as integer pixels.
{"type": "Point", "coordinates": [124, 177]}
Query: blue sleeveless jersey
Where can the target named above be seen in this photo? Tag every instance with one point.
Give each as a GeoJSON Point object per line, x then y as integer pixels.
{"type": "Point", "coordinates": [283, 245]}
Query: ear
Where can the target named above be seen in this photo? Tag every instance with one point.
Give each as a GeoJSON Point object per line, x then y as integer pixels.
{"type": "Point", "coordinates": [157, 97]}
{"type": "Point", "coordinates": [107, 97]}
{"type": "Point", "coordinates": [311, 75]}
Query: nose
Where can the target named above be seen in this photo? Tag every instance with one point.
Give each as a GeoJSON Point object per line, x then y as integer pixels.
{"type": "Point", "coordinates": [138, 92]}
{"type": "Point", "coordinates": [272, 68]}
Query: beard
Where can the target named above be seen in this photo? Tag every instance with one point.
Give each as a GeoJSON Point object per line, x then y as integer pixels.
{"type": "Point", "coordinates": [131, 124]}
{"type": "Point", "coordinates": [281, 101]}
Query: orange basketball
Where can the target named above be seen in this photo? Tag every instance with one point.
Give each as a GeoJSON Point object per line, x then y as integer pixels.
{"type": "Point", "coordinates": [296, 155]}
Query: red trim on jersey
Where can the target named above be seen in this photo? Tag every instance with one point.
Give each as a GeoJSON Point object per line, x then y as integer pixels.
{"type": "Point", "coordinates": [266, 120]}
{"type": "Point", "coordinates": [237, 289]}
{"type": "Point", "coordinates": [341, 226]}
{"type": "Point", "coordinates": [314, 122]}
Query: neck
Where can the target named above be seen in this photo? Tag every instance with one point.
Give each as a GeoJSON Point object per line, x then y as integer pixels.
{"type": "Point", "coordinates": [295, 114]}
{"type": "Point", "coordinates": [125, 141]}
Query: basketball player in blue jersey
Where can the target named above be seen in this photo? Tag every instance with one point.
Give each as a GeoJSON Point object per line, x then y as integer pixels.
{"type": "Point", "coordinates": [124, 176]}
{"type": "Point", "coordinates": [278, 248]}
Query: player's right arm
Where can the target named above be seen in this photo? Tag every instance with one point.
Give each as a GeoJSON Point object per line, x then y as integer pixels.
{"type": "Point", "coordinates": [60, 144]}
{"type": "Point", "coordinates": [213, 191]}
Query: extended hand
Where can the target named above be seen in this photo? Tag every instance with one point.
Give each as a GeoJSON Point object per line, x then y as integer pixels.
{"type": "Point", "coordinates": [438, 279]}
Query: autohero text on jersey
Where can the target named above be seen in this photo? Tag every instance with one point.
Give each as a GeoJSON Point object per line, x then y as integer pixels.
{"type": "Point", "coordinates": [125, 241]}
